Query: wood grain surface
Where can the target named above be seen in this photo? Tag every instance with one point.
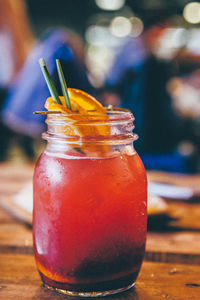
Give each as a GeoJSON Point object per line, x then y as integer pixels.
{"type": "Point", "coordinates": [19, 280]}
{"type": "Point", "coordinates": [180, 247]}
{"type": "Point", "coordinates": [176, 241]}
{"type": "Point", "coordinates": [179, 241]}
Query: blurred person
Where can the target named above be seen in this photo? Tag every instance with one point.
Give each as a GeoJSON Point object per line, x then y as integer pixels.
{"type": "Point", "coordinates": [185, 92]}
{"type": "Point", "coordinates": [28, 91]}
{"type": "Point", "coordinates": [16, 40]}
{"type": "Point", "coordinates": [138, 78]}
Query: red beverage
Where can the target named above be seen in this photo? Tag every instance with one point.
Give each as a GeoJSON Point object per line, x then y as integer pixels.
{"type": "Point", "coordinates": [89, 220]}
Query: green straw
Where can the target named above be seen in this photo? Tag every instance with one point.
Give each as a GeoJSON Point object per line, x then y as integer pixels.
{"type": "Point", "coordinates": [50, 84]}
{"type": "Point", "coordinates": [63, 84]}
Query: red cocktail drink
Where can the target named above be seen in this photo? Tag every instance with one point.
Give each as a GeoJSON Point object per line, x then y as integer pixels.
{"type": "Point", "coordinates": [90, 215]}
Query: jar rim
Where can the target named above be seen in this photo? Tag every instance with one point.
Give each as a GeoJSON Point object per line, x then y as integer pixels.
{"type": "Point", "coordinates": [114, 127]}
{"type": "Point", "coordinates": [116, 115]}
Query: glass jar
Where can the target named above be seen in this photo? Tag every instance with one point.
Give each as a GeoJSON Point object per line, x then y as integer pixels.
{"type": "Point", "coordinates": [90, 210]}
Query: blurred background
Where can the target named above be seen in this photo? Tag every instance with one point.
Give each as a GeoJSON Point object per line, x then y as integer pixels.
{"type": "Point", "coordinates": [141, 55]}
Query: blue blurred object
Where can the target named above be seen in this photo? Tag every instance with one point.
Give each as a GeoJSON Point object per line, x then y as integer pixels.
{"type": "Point", "coordinates": [140, 80]}
{"type": "Point", "coordinates": [29, 91]}
{"type": "Point", "coordinates": [169, 162]}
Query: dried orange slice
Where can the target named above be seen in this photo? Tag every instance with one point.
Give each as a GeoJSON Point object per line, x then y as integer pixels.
{"type": "Point", "coordinates": [51, 105]}
{"type": "Point", "coordinates": [83, 105]}
{"type": "Point", "coordinates": [81, 102]}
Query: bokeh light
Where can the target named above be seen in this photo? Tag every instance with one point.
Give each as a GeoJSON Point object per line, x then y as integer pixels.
{"type": "Point", "coordinates": [191, 12]}
{"type": "Point", "coordinates": [193, 44]}
{"type": "Point", "coordinates": [121, 26]}
{"type": "Point", "coordinates": [98, 70]}
{"type": "Point", "coordinates": [171, 40]}
{"type": "Point", "coordinates": [110, 4]}
{"type": "Point", "coordinates": [137, 26]}
{"type": "Point", "coordinates": [97, 35]}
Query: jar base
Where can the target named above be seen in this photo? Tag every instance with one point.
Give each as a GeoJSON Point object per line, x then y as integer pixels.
{"type": "Point", "coordinates": [89, 294]}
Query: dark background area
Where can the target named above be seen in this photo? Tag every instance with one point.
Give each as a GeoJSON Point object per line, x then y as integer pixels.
{"type": "Point", "coordinates": [76, 14]}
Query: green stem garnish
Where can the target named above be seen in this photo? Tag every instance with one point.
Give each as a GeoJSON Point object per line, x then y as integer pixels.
{"type": "Point", "coordinates": [63, 84]}
{"type": "Point", "coordinates": [49, 81]}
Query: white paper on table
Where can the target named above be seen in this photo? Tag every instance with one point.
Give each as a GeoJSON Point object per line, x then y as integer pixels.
{"type": "Point", "coordinates": [25, 197]}
{"type": "Point", "coordinates": [170, 191]}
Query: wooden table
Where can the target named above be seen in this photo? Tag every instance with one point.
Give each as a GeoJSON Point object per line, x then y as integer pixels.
{"type": "Point", "coordinates": [172, 264]}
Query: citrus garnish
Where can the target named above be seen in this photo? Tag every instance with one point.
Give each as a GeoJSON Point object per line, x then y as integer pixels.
{"type": "Point", "coordinates": [85, 114]}
{"type": "Point", "coordinates": [83, 107]}
{"type": "Point", "coordinates": [80, 101]}
{"type": "Point", "coordinates": [51, 105]}
{"type": "Point", "coordinates": [85, 103]}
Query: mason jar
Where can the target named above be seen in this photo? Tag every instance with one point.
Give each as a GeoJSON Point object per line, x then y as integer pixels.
{"type": "Point", "coordinates": [90, 210]}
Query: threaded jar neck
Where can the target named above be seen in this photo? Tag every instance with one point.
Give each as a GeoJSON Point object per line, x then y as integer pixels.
{"type": "Point", "coordinates": [116, 127]}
